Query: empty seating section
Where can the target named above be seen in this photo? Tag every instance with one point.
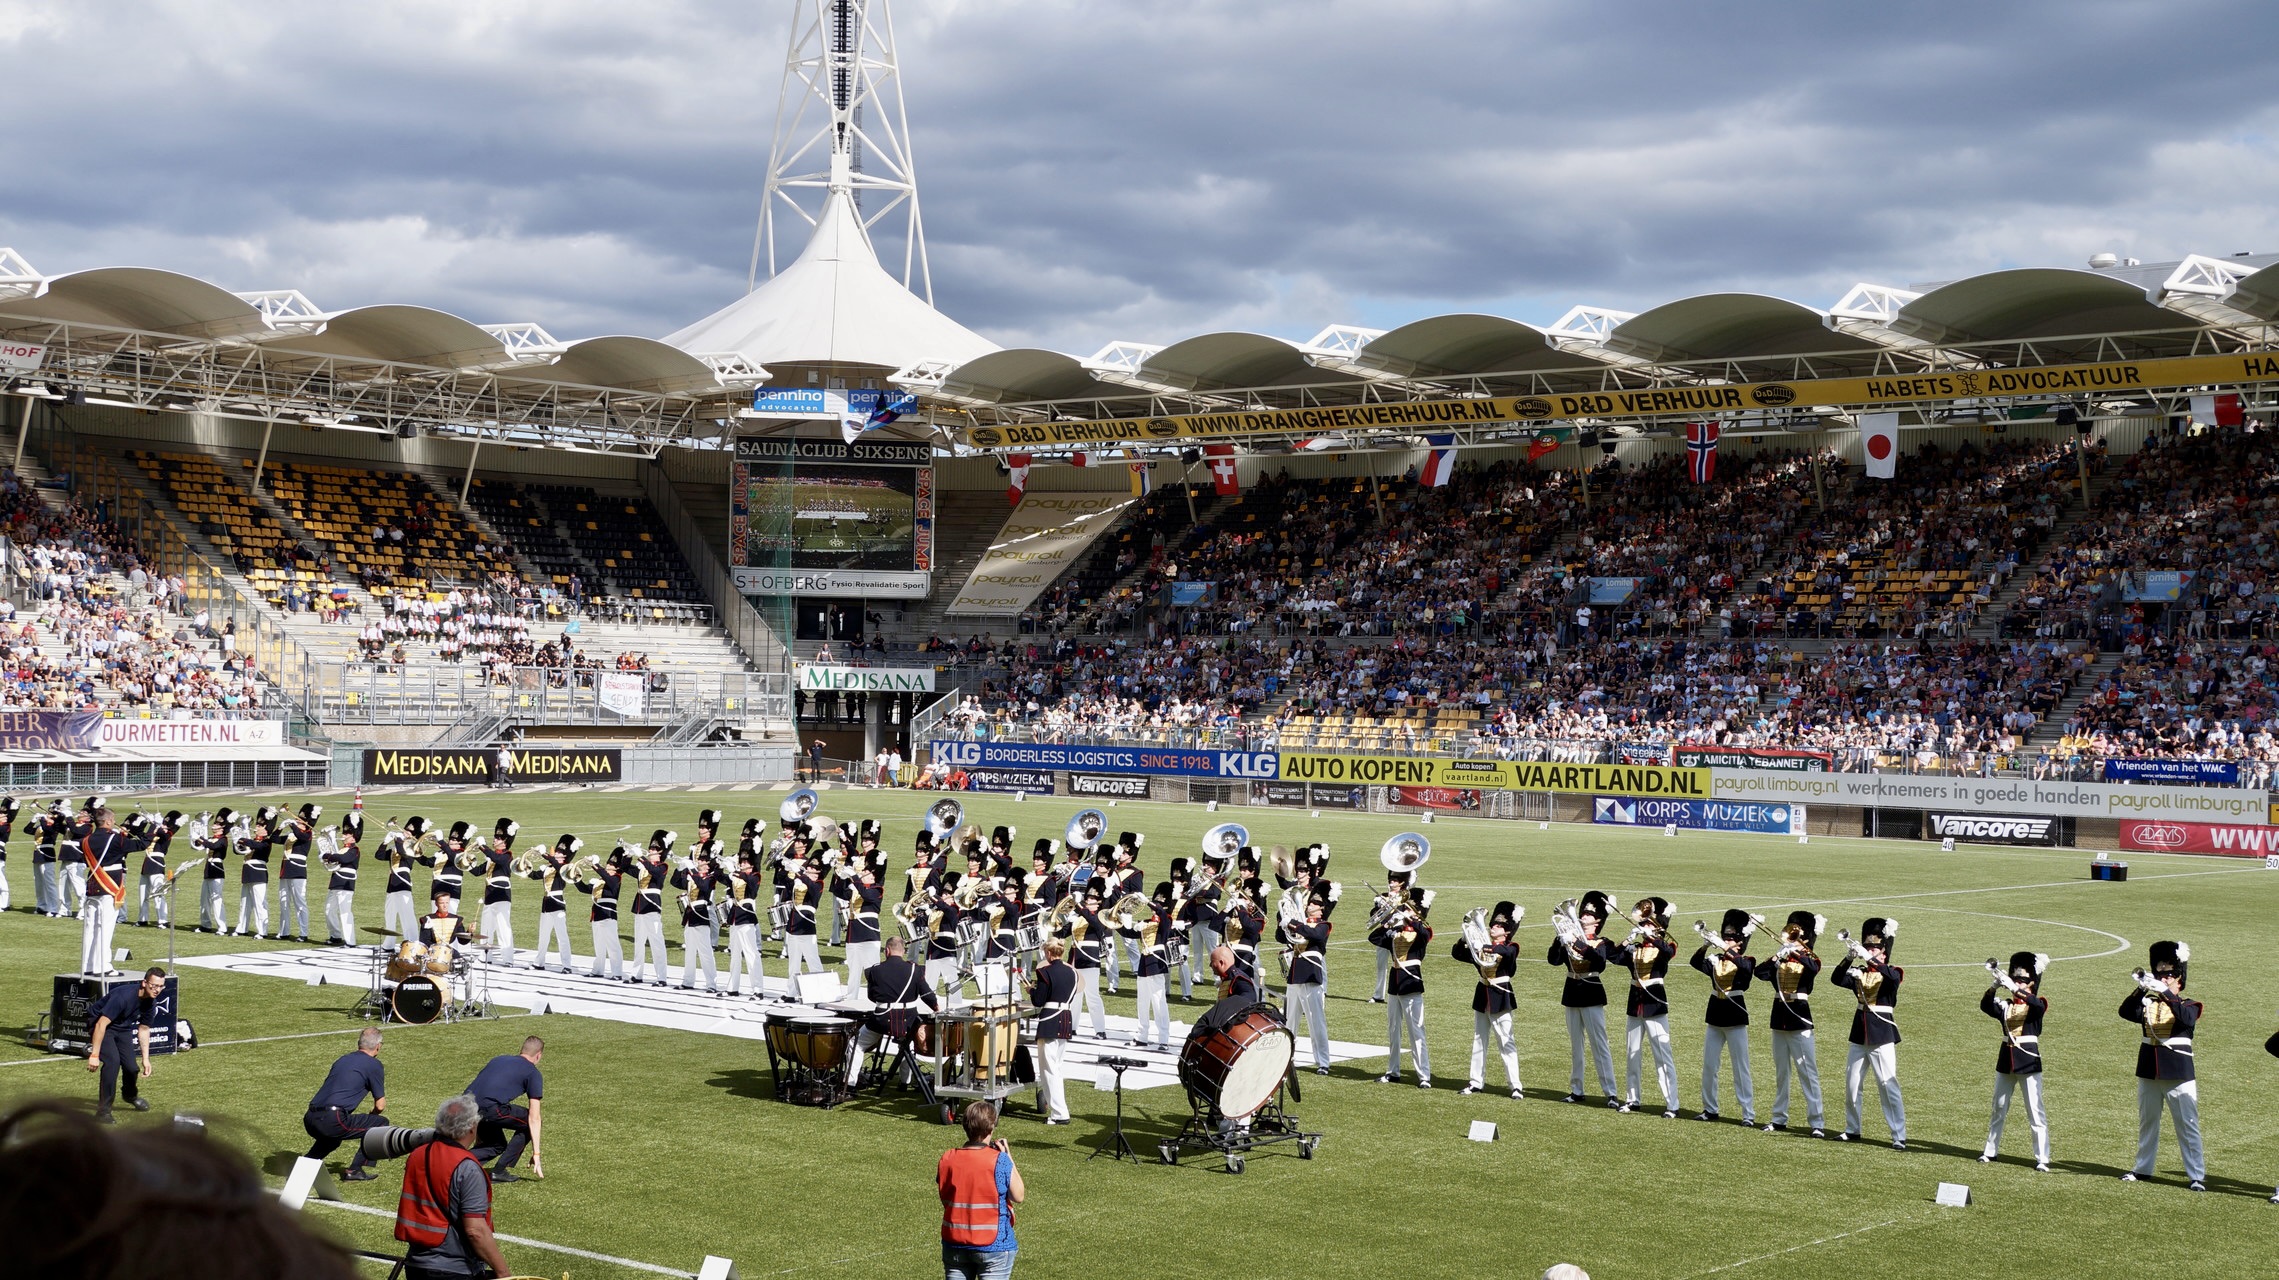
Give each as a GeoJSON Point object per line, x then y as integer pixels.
{"type": "Point", "coordinates": [522, 520]}
{"type": "Point", "coordinates": [422, 543]}
{"type": "Point", "coordinates": [239, 528]}
{"type": "Point", "coordinates": [625, 541]}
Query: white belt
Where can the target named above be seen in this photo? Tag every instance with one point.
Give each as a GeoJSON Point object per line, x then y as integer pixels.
{"type": "Point", "coordinates": [1879, 1008]}
{"type": "Point", "coordinates": [2177, 1042]}
{"type": "Point", "coordinates": [2025, 1039]}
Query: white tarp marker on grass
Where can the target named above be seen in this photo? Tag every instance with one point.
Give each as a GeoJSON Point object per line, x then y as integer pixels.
{"type": "Point", "coordinates": [300, 1182]}
{"type": "Point", "coordinates": [717, 1268]}
{"type": "Point", "coordinates": [1483, 1131]}
{"type": "Point", "coordinates": [1954, 1195]}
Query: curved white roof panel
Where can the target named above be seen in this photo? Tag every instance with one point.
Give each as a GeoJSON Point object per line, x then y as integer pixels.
{"type": "Point", "coordinates": [2258, 294]}
{"type": "Point", "coordinates": [404, 335]}
{"type": "Point", "coordinates": [1453, 345]}
{"type": "Point", "coordinates": [1219, 360]}
{"type": "Point", "coordinates": [144, 298]}
{"type": "Point", "coordinates": [1730, 326]}
{"type": "Point", "coordinates": [2036, 303]}
{"type": "Point", "coordinates": [636, 364]}
{"type": "Point", "coordinates": [1024, 373]}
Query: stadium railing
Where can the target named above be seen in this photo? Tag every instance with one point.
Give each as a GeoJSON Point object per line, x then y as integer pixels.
{"type": "Point", "coordinates": [345, 693]}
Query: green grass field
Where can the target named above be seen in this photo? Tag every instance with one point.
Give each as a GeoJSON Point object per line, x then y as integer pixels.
{"type": "Point", "coordinates": [664, 1146]}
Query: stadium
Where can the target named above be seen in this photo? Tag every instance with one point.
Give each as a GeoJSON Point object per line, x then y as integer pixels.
{"type": "Point", "coordinates": [1189, 749]}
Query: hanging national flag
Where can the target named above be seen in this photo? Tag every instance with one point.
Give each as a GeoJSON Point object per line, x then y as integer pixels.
{"type": "Point", "coordinates": [1542, 447]}
{"type": "Point", "coordinates": [1315, 444]}
{"type": "Point", "coordinates": [1016, 477]}
{"type": "Point", "coordinates": [1701, 450]}
{"type": "Point", "coordinates": [1879, 442]}
{"type": "Point", "coordinates": [1143, 475]}
{"type": "Point", "coordinates": [2218, 411]}
{"type": "Point", "coordinates": [868, 410]}
{"type": "Point", "coordinates": [1440, 464]}
{"type": "Point", "coordinates": [1226, 481]}
{"type": "Point", "coordinates": [1080, 459]}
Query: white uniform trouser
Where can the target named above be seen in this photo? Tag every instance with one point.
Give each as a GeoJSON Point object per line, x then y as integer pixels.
{"type": "Point", "coordinates": [2182, 1098]}
{"type": "Point", "coordinates": [340, 913]}
{"type": "Point", "coordinates": [498, 926]}
{"type": "Point", "coordinates": [744, 958]}
{"type": "Point", "coordinates": [3, 877]}
{"type": "Point", "coordinates": [1499, 1026]}
{"type": "Point", "coordinates": [940, 974]}
{"type": "Point", "coordinates": [401, 917]}
{"type": "Point", "coordinates": [860, 957]}
{"type": "Point", "coordinates": [150, 903]}
{"type": "Point", "coordinates": [1883, 1061]}
{"type": "Point", "coordinates": [253, 908]}
{"type": "Point", "coordinates": [293, 908]}
{"type": "Point", "coordinates": [210, 904]}
{"type": "Point", "coordinates": [800, 956]}
{"type": "Point", "coordinates": [1636, 1035]}
{"type": "Point", "coordinates": [1206, 941]}
{"type": "Point", "coordinates": [1088, 996]}
{"type": "Point", "coordinates": [1110, 960]}
{"type": "Point", "coordinates": [1405, 1014]}
{"type": "Point", "coordinates": [45, 891]}
{"type": "Point", "coordinates": [1154, 1004]}
{"type": "Point", "coordinates": [649, 943]}
{"type": "Point", "coordinates": [1588, 1023]}
{"type": "Point", "coordinates": [1052, 1079]}
{"type": "Point", "coordinates": [1792, 1050]}
{"type": "Point", "coordinates": [2006, 1084]}
{"type": "Point", "coordinates": [1719, 1042]}
{"type": "Point", "coordinates": [1306, 1011]}
{"type": "Point", "coordinates": [98, 917]}
{"type": "Point", "coordinates": [554, 931]}
{"type": "Point", "coordinates": [1384, 966]}
{"type": "Point", "coordinates": [74, 885]}
{"type": "Point", "coordinates": [696, 953]}
{"type": "Point", "coordinates": [608, 950]}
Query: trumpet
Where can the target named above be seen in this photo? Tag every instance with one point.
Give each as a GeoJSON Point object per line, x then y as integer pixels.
{"type": "Point", "coordinates": [1856, 951]}
{"type": "Point", "coordinates": [2001, 979]}
{"type": "Point", "coordinates": [2152, 986]}
{"type": "Point", "coordinates": [1713, 940]}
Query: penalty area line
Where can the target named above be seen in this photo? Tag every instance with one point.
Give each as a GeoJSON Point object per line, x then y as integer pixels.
{"type": "Point", "coordinates": [527, 1243]}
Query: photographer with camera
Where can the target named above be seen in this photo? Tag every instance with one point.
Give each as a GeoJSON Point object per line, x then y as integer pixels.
{"type": "Point", "coordinates": [979, 1187]}
{"type": "Point", "coordinates": [444, 1213]}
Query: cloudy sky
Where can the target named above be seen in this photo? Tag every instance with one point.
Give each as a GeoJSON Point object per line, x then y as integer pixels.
{"type": "Point", "coordinates": [1094, 171]}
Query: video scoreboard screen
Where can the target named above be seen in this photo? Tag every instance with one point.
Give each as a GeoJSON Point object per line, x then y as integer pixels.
{"type": "Point", "coordinates": [822, 517]}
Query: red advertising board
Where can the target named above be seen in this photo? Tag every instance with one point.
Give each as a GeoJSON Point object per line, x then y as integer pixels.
{"type": "Point", "coordinates": [1437, 797]}
{"type": "Point", "coordinates": [2150, 836]}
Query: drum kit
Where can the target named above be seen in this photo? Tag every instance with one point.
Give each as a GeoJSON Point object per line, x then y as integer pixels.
{"type": "Point", "coordinates": [1234, 1072]}
{"type": "Point", "coordinates": [417, 983]}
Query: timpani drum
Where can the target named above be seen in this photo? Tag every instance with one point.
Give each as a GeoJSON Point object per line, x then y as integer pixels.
{"type": "Point", "coordinates": [418, 1000]}
{"type": "Point", "coordinates": [410, 958]}
{"type": "Point", "coordinates": [820, 1044]}
{"type": "Point", "coordinates": [1237, 1068]}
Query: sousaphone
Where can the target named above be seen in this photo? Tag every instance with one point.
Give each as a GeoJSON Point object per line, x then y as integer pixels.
{"type": "Point", "coordinates": [797, 806]}
{"type": "Point", "coordinates": [1085, 829]}
{"type": "Point", "coordinates": [944, 817]}
{"type": "Point", "coordinates": [1222, 842]}
{"type": "Point", "coordinates": [1405, 852]}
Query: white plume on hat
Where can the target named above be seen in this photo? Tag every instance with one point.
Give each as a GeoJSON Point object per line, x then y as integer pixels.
{"type": "Point", "coordinates": [2041, 962]}
{"type": "Point", "coordinates": [1819, 924]}
{"type": "Point", "coordinates": [2184, 952]}
{"type": "Point", "coordinates": [1890, 927]}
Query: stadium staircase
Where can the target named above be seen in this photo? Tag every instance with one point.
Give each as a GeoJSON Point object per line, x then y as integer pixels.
{"type": "Point", "coordinates": [965, 524]}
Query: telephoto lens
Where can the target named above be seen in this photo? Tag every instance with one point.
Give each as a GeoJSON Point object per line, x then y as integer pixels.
{"type": "Point", "coordinates": [387, 1142]}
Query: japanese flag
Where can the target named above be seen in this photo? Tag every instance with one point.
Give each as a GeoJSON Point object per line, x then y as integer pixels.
{"type": "Point", "coordinates": [1879, 441]}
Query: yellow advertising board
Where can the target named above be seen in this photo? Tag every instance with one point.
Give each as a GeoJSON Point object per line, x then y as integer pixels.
{"type": "Point", "coordinates": [1497, 775]}
{"type": "Point", "coordinates": [1676, 401]}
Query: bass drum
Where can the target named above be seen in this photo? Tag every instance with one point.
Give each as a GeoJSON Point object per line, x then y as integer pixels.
{"type": "Point", "coordinates": [1236, 1068]}
{"type": "Point", "coordinates": [418, 1001]}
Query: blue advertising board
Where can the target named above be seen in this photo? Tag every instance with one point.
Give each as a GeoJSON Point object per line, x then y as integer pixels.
{"type": "Point", "coordinates": [1699, 815]}
{"type": "Point", "coordinates": [2206, 773]}
{"type": "Point", "coordinates": [1186, 762]}
{"type": "Point", "coordinates": [829, 402]}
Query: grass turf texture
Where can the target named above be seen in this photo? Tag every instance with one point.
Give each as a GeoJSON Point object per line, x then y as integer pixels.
{"type": "Point", "coordinates": [663, 1146]}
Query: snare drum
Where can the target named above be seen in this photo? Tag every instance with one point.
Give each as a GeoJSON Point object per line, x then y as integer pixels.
{"type": "Point", "coordinates": [410, 957]}
{"type": "Point", "coordinates": [1237, 1068]}
{"type": "Point", "coordinates": [418, 1000]}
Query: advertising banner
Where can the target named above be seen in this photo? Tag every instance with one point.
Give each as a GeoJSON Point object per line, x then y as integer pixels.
{"type": "Point", "coordinates": [1037, 782]}
{"type": "Point", "coordinates": [1699, 815]}
{"type": "Point", "coordinates": [21, 357]}
{"type": "Point", "coordinates": [1041, 538]}
{"type": "Point", "coordinates": [1612, 590]}
{"type": "Point", "coordinates": [1641, 753]}
{"type": "Point", "coordinates": [48, 730]}
{"type": "Point", "coordinates": [2236, 841]}
{"type": "Point", "coordinates": [884, 583]}
{"type": "Point", "coordinates": [1993, 795]}
{"type": "Point", "coordinates": [1289, 793]}
{"type": "Point", "coordinates": [1114, 785]}
{"type": "Point", "coordinates": [814, 678]}
{"type": "Point", "coordinates": [621, 692]}
{"type": "Point", "coordinates": [471, 765]}
{"type": "Point", "coordinates": [1980, 828]}
{"type": "Point", "coordinates": [190, 733]}
{"type": "Point", "coordinates": [1693, 757]}
{"type": "Point", "coordinates": [1497, 775]}
{"type": "Point", "coordinates": [2158, 586]}
{"type": "Point", "coordinates": [1339, 797]}
{"type": "Point", "coordinates": [2210, 773]}
{"type": "Point", "coordinates": [1186, 762]}
{"type": "Point", "coordinates": [886, 453]}
{"type": "Point", "coordinates": [1455, 798]}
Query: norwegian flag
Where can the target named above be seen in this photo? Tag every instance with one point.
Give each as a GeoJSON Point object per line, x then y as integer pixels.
{"type": "Point", "coordinates": [1225, 480]}
{"type": "Point", "coordinates": [1016, 477]}
{"type": "Point", "coordinates": [1701, 450]}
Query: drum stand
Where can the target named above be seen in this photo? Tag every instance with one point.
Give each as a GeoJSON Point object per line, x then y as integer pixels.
{"type": "Point", "coordinates": [374, 1002]}
{"type": "Point", "coordinates": [1208, 1130]}
{"type": "Point", "coordinates": [1118, 1147]}
{"type": "Point", "coordinates": [475, 998]}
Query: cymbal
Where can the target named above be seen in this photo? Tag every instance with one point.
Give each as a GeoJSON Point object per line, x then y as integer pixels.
{"type": "Point", "coordinates": [375, 929]}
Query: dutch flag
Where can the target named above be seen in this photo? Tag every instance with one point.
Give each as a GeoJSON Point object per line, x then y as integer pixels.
{"type": "Point", "coordinates": [1440, 464]}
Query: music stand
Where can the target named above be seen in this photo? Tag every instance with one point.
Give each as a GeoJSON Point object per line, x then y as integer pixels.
{"type": "Point", "coordinates": [1118, 1147]}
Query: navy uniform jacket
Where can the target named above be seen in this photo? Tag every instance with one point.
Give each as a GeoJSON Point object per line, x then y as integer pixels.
{"type": "Point", "coordinates": [1492, 995]}
{"type": "Point", "coordinates": [552, 892]}
{"type": "Point", "coordinates": [2021, 1019]}
{"type": "Point", "coordinates": [1584, 988]}
{"type": "Point", "coordinates": [649, 888]}
{"type": "Point", "coordinates": [1053, 992]}
{"type": "Point", "coordinates": [1007, 932]}
{"type": "Point", "coordinates": [153, 851]}
{"type": "Point", "coordinates": [895, 987]}
{"type": "Point", "coordinates": [803, 916]}
{"type": "Point", "coordinates": [862, 908]}
{"type": "Point", "coordinates": [216, 849]}
{"type": "Point", "coordinates": [1406, 977]}
{"type": "Point", "coordinates": [1876, 1021]}
{"type": "Point", "coordinates": [498, 883]}
{"type": "Point", "coordinates": [253, 862]}
{"type": "Point", "coordinates": [445, 861]}
{"type": "Point", "coordinates": [604, 888]}
{"type": "Point", "coordinates": [433, 929]}
{"type": "Point", "coordinates": [293, 864]}
{"type": "Point", "coordinates": [108, 850]}
{"type": "Point", "coordinates": [1791, 980]}
{"type": "Point", "coordinates": [744, 910]}
{"type": "Point", "coordinates": [1153, 963]}
{"type": "Point", "coordinates": [1729, 976]}
{"type": "Point", "coordinates": [2168, 1022]}
{"type": "Point", "coordinates": [696, 912]}
{"type": "Point", "coordinates": [354, 1077]}
{"type": "Point", "coordinates": [1084, 952]}
{"type": "Point", "coordinates": [48, 828]}
{"type": "Point", "coordinates": [399, 867]}
{"type": "Point", "coordinates": [1649, 965]}
{"type": "Point", "coordinates": [344, 864]}
{"type": "Point", "coordinates": [1309, 967]}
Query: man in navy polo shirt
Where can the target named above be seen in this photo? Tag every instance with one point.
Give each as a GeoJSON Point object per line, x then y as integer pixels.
{"type": "Point", "coordinates": [501, 1081]}
{"type": "Point", "coordinates": [332, 1117]}
{"type": "Point", "coordinates": [120, 1040]}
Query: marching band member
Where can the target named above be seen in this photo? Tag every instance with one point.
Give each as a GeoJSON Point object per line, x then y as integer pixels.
{"type": "Point", "coordinates": [340, 885]}
{"type": "Point", "coordinates": [1583, 995]}
{"type": "Point", "coordinates": [649, 875]}
{"type": "Point", "coordinates": [1203, 911]}
{"type": "Point", "coordinates": [498, 892]}
{"type": "Point", "coordinates": [46, 829]}
{"type": "Point", "coordinates": [1791, 970]}
{"type": "Point", "coordinates": [2164, 1061]}
{"type": "Point", "coordinates": [1125, 877]}
{"type": "Point", "coordinates": [151, 896]}
{"type": "Point", "coordinates": [299, 833]}
{"type": "Point", "coordinates": [896, 990]}
{"type": "Point", "coordinates": [1405, 936]}
{"type": "Point", "coordinates": [1183, 921]}
{"type": "Point", "coordinates": [1727, 1018]}
{"type": "Point", "coordinates": [444, 925]}
{"type": "Point", "coordinates": [1052, 993]}
{"type": "Point", "coordinates": [1309, 977]}
{"type": "Point", "coordinates": [1646, 953]}
{"type": "Point", "coordinates": [213, 841]}
{"type": "Point", "coordinates": [791, 855]}
{"type": "Point", "coordinates": [1148, 933]}
{"type": "Point", "coordinates": [10, 806]}
{"type": "Point", "coordinates": [1397, 885]}
{"type": "Point", "coordinates": [1084, 935]}
{"type": "Point", "coordinates": [253, 876]}
{"type": "Point", "coordinates": [2018, 1010]}
{"type": "Point", "coordinates": [554, 904]}
{"type": "Point", "coordinates": [401, 849]}
{"type": "Point", "coordinates": [1001, 908]}
{"type": "Point", "coordinates": [1493, 1000]}
{"type": "Point", "coordinates": [603, 886]}
{"type": "Point", "coordinates": [70, 853]}
{"type": "Point", "coordinates": [807, 891]}
{"type": "Point", "coordinates": [104, 851]}
{"type": "Point", "coordinates": [446, 877]}
{"type": "Point", "coordinates": [1242, 927]}
{"type": "Point", "coordinates": [744, 890]}
{"type": "Point", "coordinates": [1874, 981]}
{"type": "Point", "coordinates": [696, 883]}
{"type": "Point", "coordinates": [941, 920]}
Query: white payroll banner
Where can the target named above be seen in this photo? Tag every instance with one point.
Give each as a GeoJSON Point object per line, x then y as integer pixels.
{"type": "Point", "coordinates": [1042, 538]}
{"type": "Point", "coordinates": [1993, 795]}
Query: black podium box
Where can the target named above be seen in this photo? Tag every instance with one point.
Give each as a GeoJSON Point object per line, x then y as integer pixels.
{"type": "Point", "coordinates": [2108, 870]}
{"type": "Point", "coordinates": [71, 1011]}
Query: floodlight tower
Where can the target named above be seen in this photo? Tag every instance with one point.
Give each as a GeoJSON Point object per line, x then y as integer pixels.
{"type": "Point", "coordinates": [840, 109]}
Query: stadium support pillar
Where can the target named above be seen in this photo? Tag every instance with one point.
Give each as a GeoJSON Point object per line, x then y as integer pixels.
{"type": "Point", "coordinates": [1376, 496]}
{"type": "Point", "coordinates": [1187, 489]}
{"type": "Point", "coordinates": [261, 463]}
{"type": "Point", "coordinates": [467, 481]}
{"type": "Point", "coordinates": [1819, 499]}
{"type": "Point", "coordinates": [874, 708]}
{"type": "Point", "coordinates": [2081, 467]}
{"type": "Point", "coordinates": [23, 429]}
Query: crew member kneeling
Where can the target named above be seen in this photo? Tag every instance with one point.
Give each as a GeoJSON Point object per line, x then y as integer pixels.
{"type": "Point", "coordinates": [332, 1117]}
{"type": "Point", "coordinates": [505, 1125]}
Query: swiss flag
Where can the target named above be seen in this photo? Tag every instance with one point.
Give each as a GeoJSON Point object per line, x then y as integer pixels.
{"type": "Point", "coordinates": [1225, 480]}
{"type": "Point", "coordinates": [1017, 477]}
